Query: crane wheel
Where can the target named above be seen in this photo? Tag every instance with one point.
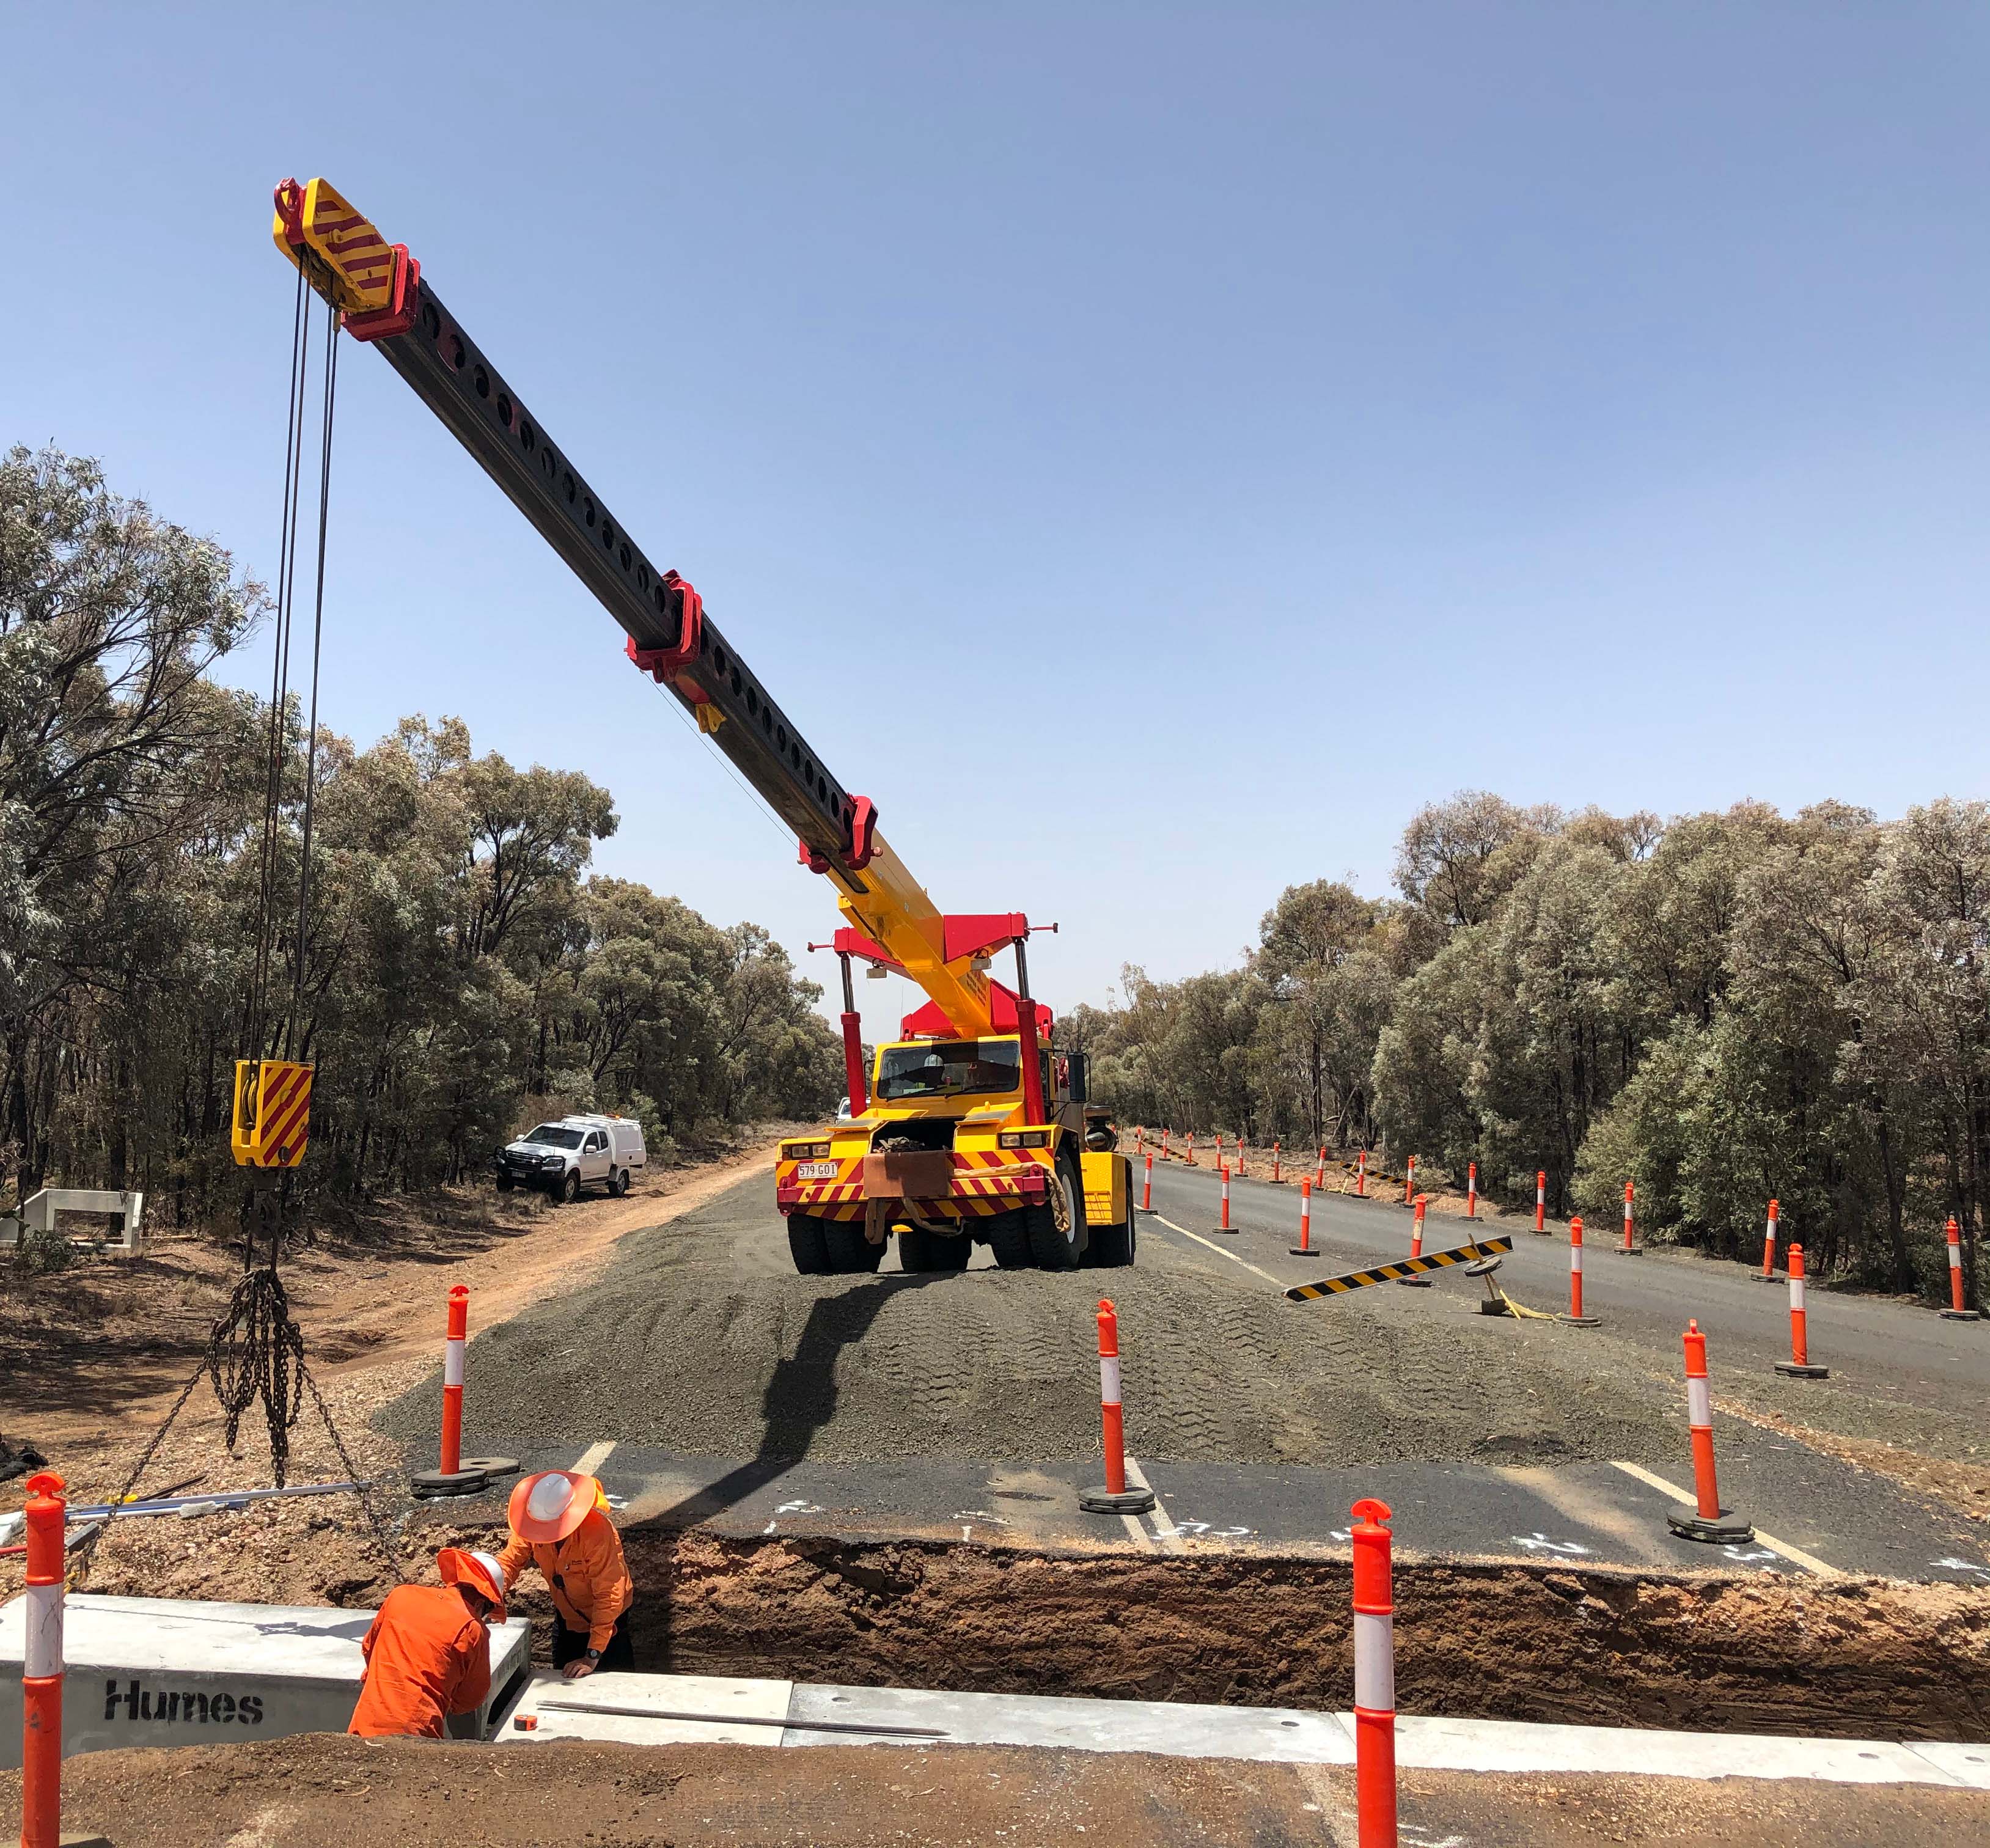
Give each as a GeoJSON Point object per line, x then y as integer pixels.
{"type": "Point", "coordinates": [807, 1246]}
{"type": "Point", "coordinates": [932, 1251]}
{"type": "Point", "coordinates": [850, 1253]}
{"type": "Point", "coordinates": [1114, 1245]}
{"type": "Point", "coordinates": [1008, 1236]}
{"type": "Point", "coordinates": [1057, 1228]}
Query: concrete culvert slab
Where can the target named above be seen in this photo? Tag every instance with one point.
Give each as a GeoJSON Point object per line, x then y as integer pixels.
{"type": "Point", "coordinates": [700, 1339]}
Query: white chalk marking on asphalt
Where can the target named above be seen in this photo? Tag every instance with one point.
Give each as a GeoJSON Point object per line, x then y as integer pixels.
{"type": "Point", "coordinates": [593, 1457]}
{"type": "Point", "coordinates": [1164, 1527]}
{"type": "Point", "coordinates": [1795, 1555]}
{"type": "Point", "coordinates": [1220, 1251]}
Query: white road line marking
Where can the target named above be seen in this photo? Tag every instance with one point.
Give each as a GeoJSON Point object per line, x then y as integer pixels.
{"type": "Point", "coordinates": [1220, 1251]}
{"type": "Point", "coordinates": [1796, 1555]}
{"type": "Point", "coordinates": [1164, 1527]}
{"type": "Point", "coordinates": [593, 1457]}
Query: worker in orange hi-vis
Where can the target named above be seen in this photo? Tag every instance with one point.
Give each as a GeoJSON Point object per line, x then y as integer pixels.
{"type": "Point", "coordinates": [559, 1523]}
{"type": "Point", "coordinates": [427, 1653]}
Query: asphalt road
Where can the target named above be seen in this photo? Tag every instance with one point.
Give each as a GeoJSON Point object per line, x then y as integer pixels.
{"type": "Point", "coordinates": [1893, 1352]}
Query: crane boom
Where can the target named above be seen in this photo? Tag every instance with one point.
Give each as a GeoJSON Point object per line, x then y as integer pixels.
{"type": "Point", "coordinates": [386, 302]}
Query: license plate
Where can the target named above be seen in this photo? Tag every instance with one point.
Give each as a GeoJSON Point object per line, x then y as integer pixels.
{"type": "Point", "coordinates": [815, 1170]}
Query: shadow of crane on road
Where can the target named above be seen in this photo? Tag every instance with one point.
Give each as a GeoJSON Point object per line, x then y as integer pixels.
{"type": "Point", "coordinates": [800, 1399]}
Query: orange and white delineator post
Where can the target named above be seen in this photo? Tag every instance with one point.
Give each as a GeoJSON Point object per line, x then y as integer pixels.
{"type": "Point", "coordinates": [1240, 1152]}
{"type": "Point", "coordinates": [41, 1664]}
{"type": "Point", "coordinates": [1630, 1247]}
{"type": "Point", "coordinates": [1798, 1366]}
{"type": "Point", "coordinates": [1189, 1157]}
{"type": "Point", "coordinates": [1374, 1677]}
{"type": "Point", "coordinates": [1540, 1199]}
{"type": "Point", "coordinates": [1320, 1172]}
{"type": "Point", "coordinates": [1767, 1273]}
{"type": "Point", "coordinates": [1410, 1180]}
{"type": "Point", "coordinates": [1165, 1150]}
{"type": "Point", "coordinates": [1472, 1190]}
{"type": "Point", "coordinates": [451, 1380]}
{"type": "Point", "coordinates": [1114, 1497]}
{"type": "Point", "coordinates": [1304, 1247]}
{"type": "Point", "coordinates": [1223, 1224]}
{"type": "Point", "coordinates": [1709, 1521]}
{"type": "Point", "coordinates": [1274, 1158]}
{"type": "Point", "coordinates": [1575, 1314]}
{"type": "Point", "coordinates": [1361, 1174]}
{"type": "Point", "coordinates": [1955, 1312]}
{"type": "Point", "coordinates": [1147, 1187]}
{"type": "Point", "coordinates": [1416, 1245]}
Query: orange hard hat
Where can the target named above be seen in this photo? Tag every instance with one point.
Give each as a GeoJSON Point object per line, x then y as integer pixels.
{"type": "Point", "coordinates": [547, 1507]}
{"type": "Point", "coordinates": [480, 1572]}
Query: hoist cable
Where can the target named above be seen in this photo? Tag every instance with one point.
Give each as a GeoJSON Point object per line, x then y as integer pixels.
{"type": "Point", "coordinates": [294, 1038]}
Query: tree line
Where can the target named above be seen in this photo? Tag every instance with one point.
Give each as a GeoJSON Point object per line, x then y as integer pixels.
{"type": "Point", "coordinates": [461, 966]}
{"type": "Point", "coordinates": [1723, 1008]}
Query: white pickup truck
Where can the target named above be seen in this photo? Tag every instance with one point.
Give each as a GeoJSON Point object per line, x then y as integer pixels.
{"type": "Point", "coordinates": [560, 1158]}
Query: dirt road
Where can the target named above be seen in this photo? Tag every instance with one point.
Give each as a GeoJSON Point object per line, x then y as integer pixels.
{"type": "Point", "coordinates": [319, 1792]}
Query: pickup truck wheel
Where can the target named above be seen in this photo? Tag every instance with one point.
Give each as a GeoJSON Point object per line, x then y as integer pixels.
{"type": "Point", "coordinates": [850, 1253]}
{"type": "Point", "coordinates": [806, 1245]}
{"type": "Point", "coordinates": [618, 1183]}
{"type": "Point", "coordinates": [567, 1189]}
{"type": "Point", "coordinates": [504, 1184]}
{"type": "Point", "coordinates": [1057, 1233]}
{"type": "Point", "coordinates": [932, 1251]}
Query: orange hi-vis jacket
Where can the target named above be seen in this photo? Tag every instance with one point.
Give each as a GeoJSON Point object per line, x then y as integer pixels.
{"type": "Point", "coordinates": [585, 1572]}
{"type": "Point", "coordinates": [425, 1656]}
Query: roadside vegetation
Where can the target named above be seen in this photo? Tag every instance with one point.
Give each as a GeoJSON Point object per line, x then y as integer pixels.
{"type": "Point", "coordinates": [1720, 1008]}
{"type": "Point", "coordinates": [463, 967]}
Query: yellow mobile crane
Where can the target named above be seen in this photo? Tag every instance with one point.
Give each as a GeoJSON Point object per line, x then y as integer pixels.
{"type": "Point", "coordinates": [968, 1129]}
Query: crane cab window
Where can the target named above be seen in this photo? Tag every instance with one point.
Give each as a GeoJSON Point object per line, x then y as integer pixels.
{"type": "Point", "coordinates": [948, 1067]}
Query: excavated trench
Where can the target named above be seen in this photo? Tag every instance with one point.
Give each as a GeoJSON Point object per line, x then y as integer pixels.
{"type": "Point", "coordinates": [1845, 1657]}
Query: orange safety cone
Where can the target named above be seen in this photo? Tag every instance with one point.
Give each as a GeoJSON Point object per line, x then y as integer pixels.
{"type": "Point", "coordinates": [1575, 1317]}
{"type": "Point", "coordinates": [1304, 1247]}
{"type": "Point", "coordinates": [1114, 1497]}
{"type": "Point", "coordinates": [1955, 1312]}
{"type": "Point", "coordinates": [1767, 1273]}
{"type": "Point", "coordinates": [1416, 1245]}
{"type": "Point", "coordinates": [1798, 1366]}
{"type": "Point", "coordinates": [1374, 1678]}
{"type": "Point", "coordinates": [1710, 1522]}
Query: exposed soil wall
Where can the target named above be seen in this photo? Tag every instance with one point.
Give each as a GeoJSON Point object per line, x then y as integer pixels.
{"type": "Point", "coordinates": [1850, 1658]}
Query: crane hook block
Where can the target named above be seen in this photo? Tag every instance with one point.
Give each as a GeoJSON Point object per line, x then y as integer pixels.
{"type": "Point", "coordinates": [271, 1112]}
{"type": "Point", "coordinates": [373, 283]}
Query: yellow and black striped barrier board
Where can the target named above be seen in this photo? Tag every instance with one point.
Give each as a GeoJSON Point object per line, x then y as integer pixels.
{"type": "Point", "coordinates": [1385, 1273]}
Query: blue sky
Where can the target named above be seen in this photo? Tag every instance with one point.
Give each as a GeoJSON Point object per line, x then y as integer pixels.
{"type": "Point", "coordinates": [1149, 450]}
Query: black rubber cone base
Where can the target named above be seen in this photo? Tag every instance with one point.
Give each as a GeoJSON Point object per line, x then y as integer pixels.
{"type": "Point", "coordinates": [427, 1484]}
{"type": "Point", "coordinates": [492, 1465]}
{"type": "Point", "coordinates": [1308, 1251]}
{"type": "Point", "coordinates": [1228, 1231]}
{"type": "Point", "coordinates": [1962, 1315]}
{"type": "Point", "coordinates": [1725, 1530]}
{"type": "Point", "coordinates": [1414, 1282]}
{"type": "Point", "coordinates": [1581, 1321]}
{"type": "Point", "coordinates": [1128, 1501]}
{"type": "Point", "coordinates": [1628, 1251]}
{"type": "Point", "coordinates": [1789, 1369]}
{"type": "Point", "coordinates": [1758, 1278]}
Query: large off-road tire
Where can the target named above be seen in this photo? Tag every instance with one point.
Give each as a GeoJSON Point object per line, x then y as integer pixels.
{"type": "Point", "coordinates": [618, 1183]}
{"type": "Point", "coordinates": [1114, 1245]}
{"type": "Point", "coordinates": [806, 1245]}
{"type": "Point", "coordinates": [1007, 1237]}
{"type": "Point", "coordinates": [566, 1190]}
{"type": "Point", "coordinates": [928, 1252]}
{"type": "Point", "coordinates": [1057, 1228]}
{"type": "Point", "coordinates": [850, 1253]}
{"type": "Point", "coordinates": [504, 1184]}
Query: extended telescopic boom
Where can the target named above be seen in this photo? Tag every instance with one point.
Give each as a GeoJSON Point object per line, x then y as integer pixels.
{"type": "Point", "coordinates": [379, 289]}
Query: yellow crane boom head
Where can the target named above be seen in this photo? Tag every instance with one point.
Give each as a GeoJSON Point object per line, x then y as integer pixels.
{"type": "Point", "coordinates": [345, 258]}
